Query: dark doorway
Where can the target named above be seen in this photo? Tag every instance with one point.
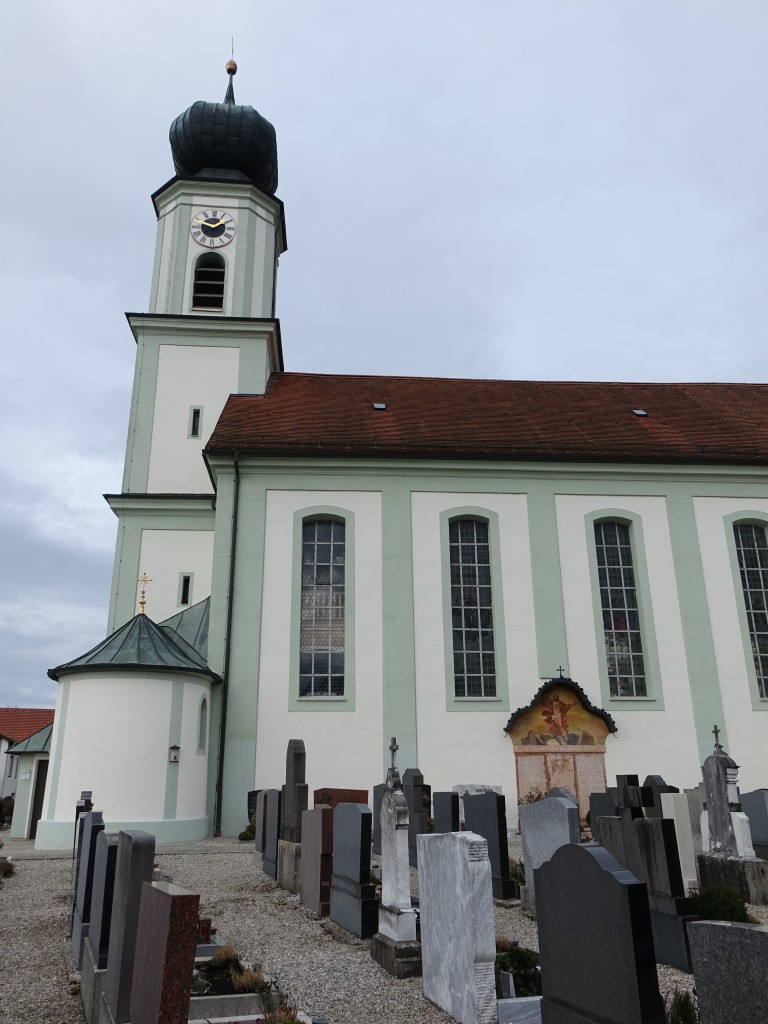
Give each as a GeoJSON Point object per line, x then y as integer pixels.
{"type": "Point", "coordinates": [37, 802]}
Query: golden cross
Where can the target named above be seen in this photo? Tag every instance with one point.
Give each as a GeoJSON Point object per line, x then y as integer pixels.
{"type": "Point", "coordinates": [143, 580]}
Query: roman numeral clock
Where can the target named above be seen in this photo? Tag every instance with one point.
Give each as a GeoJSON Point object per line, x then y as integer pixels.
{"type": "Point", "coordinates": [212, 228]}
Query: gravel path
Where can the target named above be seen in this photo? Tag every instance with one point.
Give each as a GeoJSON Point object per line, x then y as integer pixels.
{"type": "Point", "coordinates": [317, 965]}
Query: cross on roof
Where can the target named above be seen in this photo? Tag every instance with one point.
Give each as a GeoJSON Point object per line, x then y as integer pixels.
{"type": "Point", "coordinates": [143, 580]}
{"type": "Point", "coordinates": [560, 670]}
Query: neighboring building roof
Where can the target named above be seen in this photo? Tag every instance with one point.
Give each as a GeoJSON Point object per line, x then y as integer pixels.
{"type": "Point", "coordinates": [18, 723]}
{"type": "Point", "coordinates": [327, 414]}
{"type": "Point", "coordinates": [139, 644]}
{"type": "Point", "coordinates": [192, 625]}
{"type": "Point", "coordinates": [38, 743]}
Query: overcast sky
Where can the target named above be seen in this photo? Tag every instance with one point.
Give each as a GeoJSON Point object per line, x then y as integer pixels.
{"type": "Point", "coordinates": [559, 189]}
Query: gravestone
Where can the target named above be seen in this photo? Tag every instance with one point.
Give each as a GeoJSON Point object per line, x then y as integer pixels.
{"type": "Point", "coordinates": [317, 859]}
{"type": "Point", "coordinates": [294, 802]}
{"type": "Point", "coordinates": [486, 815]}
{"type": "Point", "coordinates": [458, 943]}
{"type": "Point", "coordinates": [96, 945]}
{"type": "Point", "coordinates": [135, 860]}
{"type": "Point", "coordinates": [697, 800]}
{"type": "Point", "coordinates": [353, 897]}
{"type": "Point", "coordinates": [729, 968]}
{"type": "Point", "coordinates": [601, 805]}
{"type": "Point", "coordinates": [472, 789]}
{"type": "Point", "coordinates": [657, 786]}
{"type": "Point", "coordinates": [260, 837]}
{"type": "Point", "coordinates": [394, 945]}
{"type": "Point", "coordinates": [561, 791]}
{"type": "Point", "coordinates": [272, 798]}
{"type": "Point", "coordinates": [595, 941]}
{"type": "Point", "coordinates": [445, 810]}
{"type": "Point", "coordinates": [417, 796]}
{"type": "Point", "coordinates": [545, 827]}
{"type": "Point", "coordinates": [329, 797]}
{"type": "Point", "coordinates": [675, 806]}
{"type": "Point", "coordinates": [719, 773]}
{"type": "Point", "coordinates": [647, 847]}
{"type": "Point", "coordinates": [93, 824]}
{"type": "Point", "coordinates": [378, 793]}
{"type": "Point", "coordinates": [166, 937]}
{"type": "Point", "coordinates": [755, 806]}
{"type": "Point", "coordinates": [252, 797]}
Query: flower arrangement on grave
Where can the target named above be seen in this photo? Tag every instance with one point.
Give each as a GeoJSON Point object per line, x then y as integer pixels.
{"type": "Point", "coordinates": [249, 832]}
{"type": "Point", "coordinates": [521, 963]}
{"type": "Point", "coordinates": [225, 974]}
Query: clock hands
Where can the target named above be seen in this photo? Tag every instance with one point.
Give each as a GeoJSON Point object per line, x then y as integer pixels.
{"type": "Point", "coordinates": [210, 224]}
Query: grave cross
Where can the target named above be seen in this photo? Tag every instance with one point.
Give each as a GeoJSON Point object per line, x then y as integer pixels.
{"type": "Point", "coordinates": [393, 775]}
{"type": "Point", "coordinates": [716, 734]}
{"type": "Point", "coordinates": [393, 748]}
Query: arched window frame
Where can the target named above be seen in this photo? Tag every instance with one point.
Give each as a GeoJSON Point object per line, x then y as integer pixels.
{"type": "Point", "coordinates": [200, 263]}
{"type": "Point", "coordinates": [301, 517]}
{"type": "Point", "coordinates": [634, 523]}
{"type": "Point", "coordinates": [202, 725]}
{"type": "Point", "coordinates": [746, 517]}
{"type": "Point", "coordinates": [499, 702]}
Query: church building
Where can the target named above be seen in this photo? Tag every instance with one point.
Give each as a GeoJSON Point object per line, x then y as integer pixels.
{"type": "Point", "coordinates": [528, 583]}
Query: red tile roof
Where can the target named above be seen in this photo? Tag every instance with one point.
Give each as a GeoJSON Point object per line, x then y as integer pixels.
{"type": "Point", "coordinates": [18, 723]}
{"type": "Point", "coordinates": [327, 414]}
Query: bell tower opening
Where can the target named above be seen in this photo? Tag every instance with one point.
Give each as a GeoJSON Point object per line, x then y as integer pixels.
{"type": "Point", "coordinates": [208, 287]}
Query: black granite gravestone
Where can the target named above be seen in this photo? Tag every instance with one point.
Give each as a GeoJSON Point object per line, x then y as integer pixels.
{"type": "Point", "coordinates": [93, 824]}
{"type": "Point", "coordinates": [101, 896]}
{"type": "Point", "coordinates": [272, 800]}
{"type": "Point", "coordinates": [657, 786]}
{"type": "Point", "coordinates": [418, 806]}
{"type": "Point", "coordinates": [445, 810]}
{"type": "Point", "coordinates": [353, 898]}
{"type": "Point", "coordinates": [378, 793]}
{"type": "Point", "coordinates": [260, 837]}
{"type": "Point", "coordinates": [486, 814]}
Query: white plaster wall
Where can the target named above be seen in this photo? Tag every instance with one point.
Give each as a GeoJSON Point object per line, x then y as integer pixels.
{"type": "Point", "coordinates": [261, 298]}
{"type": "Point", "coordinates": [475, 738]}
{"type": "Point", "coordinates": [193, 776]}
{"type": "Point", "coordinates": [115, 741]}
{"type": "Point", "coordinates": [343, 748]}
{"type": "Point", "coordinates": [746, 727]}
{"type": "Point", "coordinates": [648, 741]}
{"type": "Point", "coordinates": [187, 375]}
{"type": "Point", "coordinates": [164, 554]}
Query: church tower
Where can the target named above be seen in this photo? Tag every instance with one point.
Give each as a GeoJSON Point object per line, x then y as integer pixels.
{"type": "Point", "coordinates": [210, 332]}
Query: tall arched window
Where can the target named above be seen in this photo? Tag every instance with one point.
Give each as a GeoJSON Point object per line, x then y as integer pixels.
{"type": "Point", "coordinates": [208, 287]}
{"type": "Point", "coordinates": [474, 658]}
{"type": "Point", "coordinates": [621, 617]}
{"type": "Point", "coordinates": [321, 639]}
{"type": "Point", "coordinates": [752, 552]}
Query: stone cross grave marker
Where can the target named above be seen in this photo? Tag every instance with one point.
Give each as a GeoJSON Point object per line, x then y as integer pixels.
{"type": "Point", "coordinates": [545, 826]}
{"type": "Point", "coordinates": [353, 897]}
{"type": "Point", "coordinates": [486, 815]}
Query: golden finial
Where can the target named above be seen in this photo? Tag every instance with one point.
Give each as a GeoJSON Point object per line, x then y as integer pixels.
{"type": "Point", "coordinates": [231, 67]}
{"type": "Point", "coordinates": [143, 580]}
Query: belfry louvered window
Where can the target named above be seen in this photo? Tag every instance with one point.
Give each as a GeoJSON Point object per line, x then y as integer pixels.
{"type": "Point", "coordinates": [752, 552]}
{"type": "Point", "coordinates": [208, 288]}
{"type": "Point", "coordinates": [474, 658]}
{"type": "Point", "coordinates": [621, 616]}
{"type": "Point", "coordinates": [321, 638]}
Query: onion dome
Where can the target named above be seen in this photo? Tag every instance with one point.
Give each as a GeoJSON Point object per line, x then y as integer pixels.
{"type": "Point", "coordinates": [225, 141]}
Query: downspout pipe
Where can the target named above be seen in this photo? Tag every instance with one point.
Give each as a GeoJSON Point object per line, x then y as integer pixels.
{"type": "Point", "coordinates": [227, 647]}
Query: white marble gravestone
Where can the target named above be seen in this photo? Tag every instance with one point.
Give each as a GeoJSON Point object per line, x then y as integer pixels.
{"type": "Point", "coordinates": [396, 917]}
{"type": "Point", "coordinates": [458, 943]}
{"type": "Point", "coordinates": [675, 806]}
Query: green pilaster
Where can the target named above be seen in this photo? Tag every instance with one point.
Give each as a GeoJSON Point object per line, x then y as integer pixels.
{"type": "Point", "coordinates": [549, 611]}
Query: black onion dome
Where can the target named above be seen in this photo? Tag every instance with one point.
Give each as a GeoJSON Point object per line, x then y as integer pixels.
{"type": "Point", "coordinates": [227, 141]}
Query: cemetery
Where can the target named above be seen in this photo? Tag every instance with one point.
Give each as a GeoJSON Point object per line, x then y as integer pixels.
{"type": "Point", "coordinates": [407, 909]}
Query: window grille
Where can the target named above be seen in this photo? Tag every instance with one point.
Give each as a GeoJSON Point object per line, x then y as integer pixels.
{"type": "Point", "coordinates": [321, 641]}
{"type": "Point", "coordinates": [752, 552]}
{"type": "Point", "coordinates": [474, 659]}
{"type": "Point", "coordinates": [208, 288]}
{"type": "Point", "coordinates": [621, 617]}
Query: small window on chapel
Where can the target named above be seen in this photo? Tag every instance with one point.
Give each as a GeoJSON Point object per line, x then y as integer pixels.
{"type": "Point", "coordinates": [208, 287]}
{"type": "Point", "coordinates": [185, 587]}
{"type": "Point", "coordinates": [195, 421]}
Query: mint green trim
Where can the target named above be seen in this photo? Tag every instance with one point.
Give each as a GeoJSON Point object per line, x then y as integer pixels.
{"type": "Point", "coordinates": [501, 701]}
{"type": "Point", "coordinates": [60, 725]}
{"type": "Point", "coordinates": [174, 739]}
{"type": "Point", "coordinates": [202, 725]}
{"type": "Point", "coordinates": [192, 410]}
{"type": "Point", "coordinates": [190, 592]}
{"type": "Point", "coordinates": [57, 835]}
{"type": "Point", "coordinates": [756, 519]}
{"type": "Point", "coordinates": [546, 572]}
{"type": "Point", "coordinates": [703, 679]}
{"type": "Point", "coordinates": [654, 701]}
{"type": "Point", "coordinates": [347, 702]}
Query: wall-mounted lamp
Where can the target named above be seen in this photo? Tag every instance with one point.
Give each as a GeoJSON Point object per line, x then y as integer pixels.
{"type": "Point", "coordinates": [173, 754]}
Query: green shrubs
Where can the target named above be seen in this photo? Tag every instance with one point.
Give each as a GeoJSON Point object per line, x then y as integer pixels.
{"type": "Point", "coordinates": [521, 963]}
{"type": "Point", "coordinates": [517, 871]}
{"type": "Point", "coordinates": [720, 903]}
{"type": "Point", "coordinates": [681, 1009]}
{"type": "Point", "coordinates": [225, 957]}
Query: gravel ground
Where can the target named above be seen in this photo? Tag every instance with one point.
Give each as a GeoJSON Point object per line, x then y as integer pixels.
{"type": "Point", "coordinates": [316, 964]}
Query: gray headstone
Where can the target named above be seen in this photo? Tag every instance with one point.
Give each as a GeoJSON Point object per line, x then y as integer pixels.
{"type": "Point", "coordinates": [272, 799]}
{"type": "Point", "coordinates": [722, 839]}
{"type": "Point", "coordinates": [697, 798]}
{"type": "Point", "coordinates": [675, 806]}
{"type": "Point", "coordinates": [92, 824]}
{"type": "Point", "coordinates": [486, 815]}
{"type": "Point", "coordinates": [445, 811]}
{"type": "Point", "coordinates": [378, 793]}
{"type": "Point", "coordinates": [135, 860]}
{"type": "Point", "coordinates": [260, 838]}
{"type": "Point", "coordinates": [657, 786]}
{"type": "Point", "coordinates": [472, 789]}
{"type": "Point", "coordinates": [317, 859]}
{"type": "Point", "coordinates": [458, 943]}
{"type": "Point", "coordinates": [545, 826]}
{"type": "Point", "coordinates": [101, 896]}
{"type": "Point", "coordinates": [729, 967]}
{"type": "Point", "coordinates": [561, 791]}
{"type": "Point", "coordinates": [413, 788]}
{"type": "Point", "coordinates": [608, 973]}
{"type": "Point", "coordinates": [755, 806]}
{"type": "Point", "coordinates": [353, 898]}
{"type": "Point", "coordinates": [601, 805]}
{"type": "Point", "coordinates": [295, 792]}
{"type": "Point", "coordinates": [396, 917]}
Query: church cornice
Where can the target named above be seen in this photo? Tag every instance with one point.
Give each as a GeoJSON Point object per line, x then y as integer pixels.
{"type": "Point", "coordinates": [181, 327]}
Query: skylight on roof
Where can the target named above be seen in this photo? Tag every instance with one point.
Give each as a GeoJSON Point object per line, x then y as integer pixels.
{"type": "Point", "coordinates": [380, 406]}
{"type": "Point", "coordinates": [639, 412]}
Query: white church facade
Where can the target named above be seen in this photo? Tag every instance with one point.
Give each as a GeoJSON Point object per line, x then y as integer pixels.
{"type": "Point", "coordinates": [345, 559]}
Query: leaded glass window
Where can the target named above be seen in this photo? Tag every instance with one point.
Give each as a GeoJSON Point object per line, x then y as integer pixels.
{"type": "Point", "coordinates": [621, 617]}
{"type": "Point", "coordinates": [321, 640]}
{"type": "Point", "coordinates": [752, 551]}
{"type": "Point", "coordinates": [474, 664]}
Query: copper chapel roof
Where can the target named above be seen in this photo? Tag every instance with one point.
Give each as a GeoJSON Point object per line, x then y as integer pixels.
{"type": "Point", "coordinates": [331, 414]}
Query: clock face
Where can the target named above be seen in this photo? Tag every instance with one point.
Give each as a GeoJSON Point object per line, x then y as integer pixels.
{"type": "Point", "coordinates": [212, 228]}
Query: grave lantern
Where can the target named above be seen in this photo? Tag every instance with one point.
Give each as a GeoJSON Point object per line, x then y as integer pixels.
{"type": "Point", "coordinates": [173, 754]}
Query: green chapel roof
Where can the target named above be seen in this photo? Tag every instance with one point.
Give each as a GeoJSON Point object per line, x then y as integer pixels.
{"type": "Point", "coordinates": [38, 743]}
{"type": "Point", "coordinates": [140, 644]}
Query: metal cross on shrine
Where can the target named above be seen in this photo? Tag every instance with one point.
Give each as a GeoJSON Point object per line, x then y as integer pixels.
{"type": "Point", "coordinates": [560, 670]}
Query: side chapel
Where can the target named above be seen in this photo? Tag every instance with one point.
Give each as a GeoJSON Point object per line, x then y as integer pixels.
{"type": "Point", "coordinates": [349, 558]}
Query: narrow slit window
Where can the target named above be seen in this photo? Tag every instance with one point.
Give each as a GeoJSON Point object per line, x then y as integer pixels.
{"type": "Point", "coordinates": [195, 421]}
{"type": "Point", "coordinates": [208, 287]}
{"type": "Point", "coordinates": [752, 553]}
{"type": "Point", "coordinates": [620, 611]}
{"type": "Point", "coordinates": [185, 587]}
{"type": "Point", "coordinates": [474, 656]}
{"type": "Point", "coordinates": [202, 726]}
